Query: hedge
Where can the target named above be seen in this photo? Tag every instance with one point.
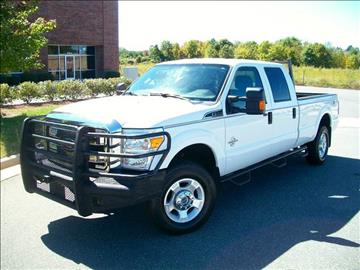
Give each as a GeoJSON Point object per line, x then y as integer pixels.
{"type": "Point", "coordinates": [17, 78]}
{"type": "Point", "coordinates": [13, 79]}
{"type": "Point", "coordinates": [59, 90]}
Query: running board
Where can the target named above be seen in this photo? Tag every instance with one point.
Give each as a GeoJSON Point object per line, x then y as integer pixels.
{"type": "Point", "coordinates": [277, 161]}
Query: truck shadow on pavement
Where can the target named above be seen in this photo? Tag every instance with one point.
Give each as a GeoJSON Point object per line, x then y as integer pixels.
{"type": "Point", "coordinates": [250, 227]}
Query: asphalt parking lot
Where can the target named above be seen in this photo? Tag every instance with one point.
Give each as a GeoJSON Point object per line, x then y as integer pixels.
{"type": "Point", "coordinates": [295, 217]}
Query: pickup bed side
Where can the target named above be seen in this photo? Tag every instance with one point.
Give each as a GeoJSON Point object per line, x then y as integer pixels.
{"type": "Point", "coordinates": [326, 106]}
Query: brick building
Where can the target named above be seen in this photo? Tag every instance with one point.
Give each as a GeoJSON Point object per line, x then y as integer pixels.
{"type": "Point", "coordinates": [85, 41]}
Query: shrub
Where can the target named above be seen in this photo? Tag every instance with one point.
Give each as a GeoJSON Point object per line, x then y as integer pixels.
{"type": "Point", "coordinates": [94, 86]}
{"type": "Point", "coordinates": [11, 79]}
{"type": "Point", "coordinates": [28, 91]}
{"type": "Point", "coordinates": [138, 59]}
{"type": "Point", "coordinates": [71, 89]}
{"type": "Point", "coordinates": [48, 90]}
{"type": "Point", "coordinates": [6, 94]}
{"type": "Point", "coordinates": [110, 74]}
{"type": "Point", "coordinates": [36, 76]}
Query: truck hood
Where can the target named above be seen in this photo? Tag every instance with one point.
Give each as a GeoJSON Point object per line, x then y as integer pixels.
{"type": "Point", "coordinates": [114, 113]}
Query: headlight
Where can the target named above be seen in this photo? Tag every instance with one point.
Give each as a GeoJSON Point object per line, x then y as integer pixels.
{"type": "Point", "coordinates": [141, 146]}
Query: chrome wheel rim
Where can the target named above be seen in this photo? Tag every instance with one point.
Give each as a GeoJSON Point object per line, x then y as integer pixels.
{"type": "Point", "coordinates": [322, 145]}
{"type": "Point", "coordinates": [184, 200]}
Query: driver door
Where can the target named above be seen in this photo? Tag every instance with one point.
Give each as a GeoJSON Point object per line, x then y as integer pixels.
{"type": "Point", "coordinates": [247, 136]}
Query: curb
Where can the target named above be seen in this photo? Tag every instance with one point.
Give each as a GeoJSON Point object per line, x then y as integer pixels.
{"type": "Point", "coordinates": [9, 161]}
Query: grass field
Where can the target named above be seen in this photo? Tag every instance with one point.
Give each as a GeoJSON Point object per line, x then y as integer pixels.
{"type": "Point", "coordinates": [322, 77]}
{"type": "Point", "coordinates": [11, 121]}
{"type": "Point", "coordinates": [142, 67]}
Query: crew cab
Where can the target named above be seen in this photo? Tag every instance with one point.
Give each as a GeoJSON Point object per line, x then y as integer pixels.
{"type": "Point", "coordinates": [170, 138]}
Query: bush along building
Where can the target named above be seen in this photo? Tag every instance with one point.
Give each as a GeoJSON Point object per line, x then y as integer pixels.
{"type": "Point", "coordinates": [83, 45]}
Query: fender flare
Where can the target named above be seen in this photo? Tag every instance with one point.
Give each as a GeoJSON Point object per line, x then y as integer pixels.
{"type": "Point", "coordinates": [188, 138]}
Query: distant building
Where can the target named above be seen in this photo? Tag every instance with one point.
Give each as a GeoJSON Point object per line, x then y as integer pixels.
{"type": "Point", "coordinates": [85, 41]}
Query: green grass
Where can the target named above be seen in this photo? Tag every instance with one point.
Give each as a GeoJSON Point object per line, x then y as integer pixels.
{"type": "Point", "coordinates": [332, 77]}
{"type": "Point", "coordinates": [11, 122]}
{"type": "Point", "coordinates": [142, 67]}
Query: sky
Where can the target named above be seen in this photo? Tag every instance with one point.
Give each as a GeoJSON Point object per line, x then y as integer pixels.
{"type": "Point", "coordinates": [145, 23]}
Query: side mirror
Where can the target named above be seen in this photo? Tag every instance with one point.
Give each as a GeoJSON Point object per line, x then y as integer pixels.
{"type": "Point", "coordinates": [255, 100]}
{"type": "Point", "coordinates": [120, 88]}
{"type": "Point", "coordinates": [233, 98]}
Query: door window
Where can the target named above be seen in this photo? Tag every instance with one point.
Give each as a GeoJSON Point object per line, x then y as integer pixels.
{"type": "Point", "coordinates": [245, 77]}
{"type": "Point", "coordinates": [278, 84]}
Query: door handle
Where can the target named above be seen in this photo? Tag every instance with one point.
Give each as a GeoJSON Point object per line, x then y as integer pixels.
{"type": "Point", "coordinates": [294, 113]}
{"type": "Point", "coordinates": [270, 118]}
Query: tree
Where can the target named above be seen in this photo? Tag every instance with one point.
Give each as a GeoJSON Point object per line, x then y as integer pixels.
{"type": "Point", "coordinates": [155, 54]}
{"type": "Point", "coordinates": [246, 50]}
{"type": "Point", "coordinates": [263, 51]}
{"type": "Point", "coordinates": [292, 48]}
{"type": "Point", "coordinates": [352, 50]}
{"type": "Point", "coordinates": [176, 51]}
{"type": "Point", "coordinates": [226, 49]}
{"type": "Point", "coordinates": [192, 49]}
{"type": "Point", "coordinates": [316, 55]}
{"type": "Point", "coordinates": [166, 49]}
{"type": "Point", "coordinates": [277, 52]}
{"type": "Point", "coordinates": [21, 39]}
{"type": "Point", "coordinates": [212, 49]}
{"type": "Point", "coordinates": [352, 61]}
{"type": "Point", "coordinates": [337, 58]}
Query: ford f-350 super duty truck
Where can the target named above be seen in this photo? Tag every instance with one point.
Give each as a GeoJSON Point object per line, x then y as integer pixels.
{"type": "Point", "coordinates": [172, 136]}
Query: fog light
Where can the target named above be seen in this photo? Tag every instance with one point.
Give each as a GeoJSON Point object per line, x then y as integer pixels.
{"type": "Point", "coordinates": [93, 158]}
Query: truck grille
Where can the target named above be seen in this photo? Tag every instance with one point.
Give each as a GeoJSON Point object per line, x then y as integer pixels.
{"type": "Point", "coordinates": [61, 161]}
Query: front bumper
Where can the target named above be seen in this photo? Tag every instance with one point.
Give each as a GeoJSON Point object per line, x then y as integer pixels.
{"type": "Point", "coordinates": [78, 187]}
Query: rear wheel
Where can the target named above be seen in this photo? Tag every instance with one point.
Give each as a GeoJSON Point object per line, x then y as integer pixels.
{"type": "Point", "coordinates": [318, 148]}
{"type": "Point", "coordinates": [187, 199]}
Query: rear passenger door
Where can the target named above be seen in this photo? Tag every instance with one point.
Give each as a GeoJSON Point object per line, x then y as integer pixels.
{"type": "Point", "coordinates": [284, 112]}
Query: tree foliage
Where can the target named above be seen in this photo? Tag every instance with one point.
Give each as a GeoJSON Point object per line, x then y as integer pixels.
{"type": "Point", "coordinates": [309, 54]}
{"type": "Point", "coordinates": [192, 49]}
{"type": "Point", "coordinates": [317, 55]}
{"type": "Point", "coordinates": [21, 38]}
{"type": "Point", "coordinates": [247, 50]}
{"type": "Point", "coordinates": [155, 54]}
{"type": "Point", "coordinates": [167, 50]}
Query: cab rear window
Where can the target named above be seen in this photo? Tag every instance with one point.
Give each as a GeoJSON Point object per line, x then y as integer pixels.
{"type": "Point", "coordinates": [278, 84]}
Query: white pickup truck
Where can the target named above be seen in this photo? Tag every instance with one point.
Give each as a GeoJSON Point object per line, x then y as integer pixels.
{"type": "Point", "coordinates": [172, 136]}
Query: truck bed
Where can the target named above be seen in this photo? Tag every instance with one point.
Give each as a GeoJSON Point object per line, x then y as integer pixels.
{"type": "Point", "coordinates": [307, 98]}
{"type": "Point", "coordinates": [303, 95]}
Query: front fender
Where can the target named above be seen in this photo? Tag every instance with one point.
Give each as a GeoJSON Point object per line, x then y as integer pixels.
{"type": "Point", "coordinates": [181, 139]}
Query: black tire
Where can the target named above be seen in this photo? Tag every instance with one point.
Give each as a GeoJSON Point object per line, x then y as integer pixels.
{"type": "Point", "coordinates": [175, 174]}
{"type": "Point", "coordinates": [314, 156]}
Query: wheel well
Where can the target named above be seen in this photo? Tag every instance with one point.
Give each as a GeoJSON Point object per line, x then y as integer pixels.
{"type": "Point", "coordinates": [326, 121]}
{"type": "Point", "coordinates": [200, 154]}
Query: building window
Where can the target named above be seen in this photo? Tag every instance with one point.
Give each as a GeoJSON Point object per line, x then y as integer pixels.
{"type": "Point", "coordinates": [71, 61]}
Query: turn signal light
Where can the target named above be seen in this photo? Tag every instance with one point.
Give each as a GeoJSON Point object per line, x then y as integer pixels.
{"type": "Point", "coordinates": [262, 105]}
{"type": "Point", "coordinates": [156, 142]}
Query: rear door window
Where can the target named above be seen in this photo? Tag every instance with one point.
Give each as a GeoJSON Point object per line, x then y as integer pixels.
{"type": "Point", "coordinates": [278, 84]}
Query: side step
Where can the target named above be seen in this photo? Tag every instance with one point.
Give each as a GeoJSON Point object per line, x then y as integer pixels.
{"type": "Point", "coordinates": [278, 161]}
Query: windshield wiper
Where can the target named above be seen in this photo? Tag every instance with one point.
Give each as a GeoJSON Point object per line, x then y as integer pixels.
{"type": "Point", "coordinates": [165, 95]}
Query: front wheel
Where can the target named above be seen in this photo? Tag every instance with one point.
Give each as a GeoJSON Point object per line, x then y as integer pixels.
{"type": "Point", "coordinates": [318, 148]}
{"type": "Point", "coordinates": [187, 199]}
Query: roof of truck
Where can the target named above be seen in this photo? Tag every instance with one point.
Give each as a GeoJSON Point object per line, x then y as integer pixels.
{"type": "Point", "coordinates": [222, 61]}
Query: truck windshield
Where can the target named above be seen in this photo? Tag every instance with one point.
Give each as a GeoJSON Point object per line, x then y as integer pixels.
{"type": "Point", "coordinates": [190, 81]}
